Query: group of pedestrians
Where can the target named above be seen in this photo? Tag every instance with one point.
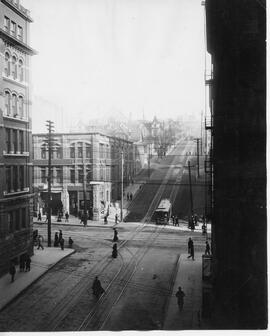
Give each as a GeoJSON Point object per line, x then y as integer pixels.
{"type": "Point", "coordinates": [59, 217]}
{"type": "Point", "coordinates": [175, 220]}
{"type": "Point", "coordinates": [25, 266]}
{"type": "Point", "coordinates": [129, 196]}
{"type": "Point", "coordinates": [60, 241]}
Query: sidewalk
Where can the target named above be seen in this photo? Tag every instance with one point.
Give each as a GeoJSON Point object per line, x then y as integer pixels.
{"type": "Point", "coordinates": [189, 277]}
{"type": "Point", "coordinates": [42, 261]}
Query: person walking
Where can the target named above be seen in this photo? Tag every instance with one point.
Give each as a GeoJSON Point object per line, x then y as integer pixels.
{"type": "Point", "coordinates": [176, 221]}
{"type": "Point", "coordinates": [115, 235]}
{"type": "Point", "coordinates": [47, 218]}
{"type": "Point", "coordinates": [114, 251]}
{"type": "Point", "coordinates": [97, 288]}
{"type": "Point", "coordinates": [40, 242]}
{"type": "Point", "coordinates": [191, 248]}
{"type": "Point", "coordinates": [22, 263]}
{"type": "Point", "coordinates": [62, 242]}
{"type": "Point", "coordinates": [67, 217]}
{"type": "Point", "coordinates": [27, 263]}
{"type": "Point", "coordinates": [173, 220]}
{"type": "Point", "coordinates": [60, 235]}
{"type": "Point", "coordinates": [116, 218]}
{"type": "Point", "coordinates": [70, 242]}
{"type": "Point", "coordinates": [56, 240]}
{"type": "Point", "coordinates": [130, 196]}
{"type": "Point", "coordinates": [207, 248]}
{"type": "Point", "coordinates": [39, 216]}
{"type": "Point", "coordinates": [180, 298]}
{"type": "Point", "coordinates": [12, 271]}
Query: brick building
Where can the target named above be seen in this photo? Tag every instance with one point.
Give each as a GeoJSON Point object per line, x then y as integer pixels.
{"type": "Point", "coordinates": [90, 161]}
{"type": "Point", "coordinates": [15, 134]}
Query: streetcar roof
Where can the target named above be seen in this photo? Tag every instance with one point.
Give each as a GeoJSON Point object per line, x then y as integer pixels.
{"type": "Point", "coordinates": [164, 205]}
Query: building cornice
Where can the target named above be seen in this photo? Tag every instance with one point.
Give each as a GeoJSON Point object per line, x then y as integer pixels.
{"type": "Point", "coordinates": [17, 43]}
{"type": "Point", "coordinates": [19, 9]}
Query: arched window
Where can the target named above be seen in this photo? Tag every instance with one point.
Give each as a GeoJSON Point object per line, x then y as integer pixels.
{"type": "Point", "coordinates": [14, 67]}
{"type": "Point", "coordinates": [7, 64]}
{"type": "Point", "coordinates": [21, 74]}
{"type": "Point", "coordinates": [14, 105]}
{"type": "Point", "coordinates": [72, 150]}
{"type": "Point", "coordinates": [7, 103]}
{"type": "Point", "coordinates": [43, 151]}
{"type": "Point", "coordinates": [21, 112]}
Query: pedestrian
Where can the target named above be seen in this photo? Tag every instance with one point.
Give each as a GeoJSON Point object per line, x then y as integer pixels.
{"type": "Point", "coordinates": [82, 219]}
{"type": "Point", "coordinates": [40, 242]}
{"type": "Point", "coordinates": [191, 248]}
{"type": "Point", "coordinates": [12, 271]}
{"type": "Point", "coordinates": [176, 221]}
{"type": "Point", "coordinates": [67, 217]}
{"type": "Point", "coordinates": [70, 242]}
{"type": "Point", "coordinates": [27, 263]}
{"type": "Point", "coordinates": [116, 218]}
{"type": "Point", "coordinates": [207, 248]}
{"type": "Point", "coordinates": [22, 263]}
{"type": "Point", "coordinates": [180, 298]}
{"type": "Point", "coordinates": [106, 219]}
{"type": "Point", "coordinates": [60, 235]}
{"type": "Point", "coordinates": [115, 235]}
{"type": "Point", "coordinates": [56, 240]}
{"type": "Point", "coordinates": [39, 216]}
{"type": "Point", "coordinates": [62, 242]}
{"type": "Point", "coordinates": [114, 251]}
{"type": "Point", "coordinates": [47, 218]}
{"type": "Point", "coordinates": [97, 288]}
{"type": "Point", "coordinates": [173, 222]}
{"type": "Point", "coordinates": [130, 196]}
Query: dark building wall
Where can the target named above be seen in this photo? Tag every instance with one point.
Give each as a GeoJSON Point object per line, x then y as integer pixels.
{"type": "Point", "coordinates": [236, 40]}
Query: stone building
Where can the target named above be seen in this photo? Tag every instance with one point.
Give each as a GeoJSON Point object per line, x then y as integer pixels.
{"type": "Point", "coordinates": [236, 40]}
{"type": "Point", "coordinates": [82, 162]}
{"type": "Point", "coordinates": [15, 134]}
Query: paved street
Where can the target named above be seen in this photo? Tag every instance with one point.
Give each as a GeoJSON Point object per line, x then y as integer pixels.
{"type": "Point", "coordinates": [138, 284]}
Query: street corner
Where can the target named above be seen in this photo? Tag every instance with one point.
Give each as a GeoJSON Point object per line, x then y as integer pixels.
{"type": "Point", "coordinates": [50, 255]}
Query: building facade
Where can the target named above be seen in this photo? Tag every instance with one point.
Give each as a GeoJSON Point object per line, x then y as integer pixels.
{"type": "Point", "coordinates": [82, 163]}
{"type": "Point", "coordinates": [236, 40]}
{"type": "Point", "coordinates": [15, 134]}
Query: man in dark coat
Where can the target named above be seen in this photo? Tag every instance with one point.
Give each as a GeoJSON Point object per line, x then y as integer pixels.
{"type": "Point", "coordinates": [115, 236]}
{"type": "Point", "coordinates": [62, 242]}
{"type": "Point", "coordinates": [12, 271]}
{"type": "Point", "coordinates": [180, 298]}
{"type": "Point", "coordinates": [191, 248]}
{"type": "Point", "coordinates": [56, 240]}
{"type": "Point", "coordinates": [27, 263]}
{"type": "Point", "coordinates": [97, 288]}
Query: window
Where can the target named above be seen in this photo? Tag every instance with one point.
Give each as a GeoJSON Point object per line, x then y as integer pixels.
{"type": "Point", "coordinates": [10, 221]}
{"type": "Point", "coordinates": [8, 140]}
{"type": "Point", "coordinates": [89, 174]}
{"type": "Point", "coordinates": [72, 151]}
{"type": "Point", "coordinates": [6, 24]}
{"type": "Point", "coordinates": [20, 33]}
{"type": "Point", "coordinates": [58, 152]}
{"type": "Point", "coordinates": [24, 217]}
{"type": "Point", "coordinates": [7, 64]}
{"type": "Point", "coordinates": [59, 176]}
{"type": "Point", "coordinates": [72, 175]}
{"type": "Point", "coordinates": [43, 175]}
{"type": "Point", "coordinates": [15, 178]}
{"type": "Point", "coordinates": [21, 74]}
{"type": "Point", "coordinates": [13, 28]}
{"type": "Point", "coordinates": [21, 177]}
{"type": "Point", "coordinates": [88, 151]}
{"type": "Point", "coordinates": [21, 140]}
{"type": "Point", "coordinates": [17, 220]}
{"type": "Point", "coordinates": [80, 172]}
{"type": "Point", "coordinates": [80, 150]}
{"type": "Point", "coordinates": [21, 106]}
{"type": "Point", "coordinates": [101, 151]}
{"type": "Point", "coordinates": [14, 67]}
{"type": "Point", "coordinates": [7, 103]}
{"type": "Point", "coordinates": [15, 141]}
{"type": "Point", "coordinates": [8, 179]}
{"type": "Point", "coordinates": [14, 105]}
{"type": "Point", "coordinates": [43, 151]}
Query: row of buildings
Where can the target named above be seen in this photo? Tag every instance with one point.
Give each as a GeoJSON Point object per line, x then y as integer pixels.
{"type": "Point", "coordinates": [89, 163]}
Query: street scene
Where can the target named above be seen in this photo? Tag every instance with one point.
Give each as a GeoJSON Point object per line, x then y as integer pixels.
{"type": "Point", "coordinates": [133, 165]}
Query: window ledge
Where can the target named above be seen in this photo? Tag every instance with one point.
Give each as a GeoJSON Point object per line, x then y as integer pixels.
{"type": "Point", "coordinates": [15, 81]}
{"type": "Point", "coordinates": [12, 193]}
{"type": "Point", "coordinates": [15, 118]}
{"type": "Point", "coordinates": [15, 154]}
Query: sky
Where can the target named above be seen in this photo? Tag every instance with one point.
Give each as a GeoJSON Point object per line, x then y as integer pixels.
{"type": "Point", "coordinates": [102, 58]}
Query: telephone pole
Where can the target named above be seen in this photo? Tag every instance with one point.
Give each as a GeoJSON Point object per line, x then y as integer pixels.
{"type": "Point", "coordinates": [190, 189]}
{"type": "Point", "coordinates": [84, 192]}
{"type": "Point", "coordinates": [50, 127]}
{"type": "Point", "coordinates": [122, 184]}
{"type": "Point", "coordinates": [198, 155]}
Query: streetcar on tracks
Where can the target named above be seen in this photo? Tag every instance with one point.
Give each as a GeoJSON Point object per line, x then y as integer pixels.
{"type": "Point", "coordinates": [163, 212]}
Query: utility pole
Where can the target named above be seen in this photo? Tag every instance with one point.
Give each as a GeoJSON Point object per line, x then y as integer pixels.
{"type": "Point", "coordinates": [149, 161]}
{"type": "Point", "coordinates": [50, 127]}
{"type": "Point", "coordinates": [198, 156]}
{"type": "Point", "coordinates": [122, 184]}
{"type": "Point", "coordinates": [84, 192]}
{"type": "Point", "coordinates": [190, 189]}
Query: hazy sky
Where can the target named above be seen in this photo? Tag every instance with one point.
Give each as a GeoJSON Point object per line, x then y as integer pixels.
{"type": "Point", "coordinates": [100, 57]}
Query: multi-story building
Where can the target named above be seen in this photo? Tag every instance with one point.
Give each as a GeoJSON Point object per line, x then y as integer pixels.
{"type": "Point", "coordinates": [82, 162]}
{"type": "Point", "coordinates": [236, 40]}
{"type": "Point", "coordinates": [15, 134]}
